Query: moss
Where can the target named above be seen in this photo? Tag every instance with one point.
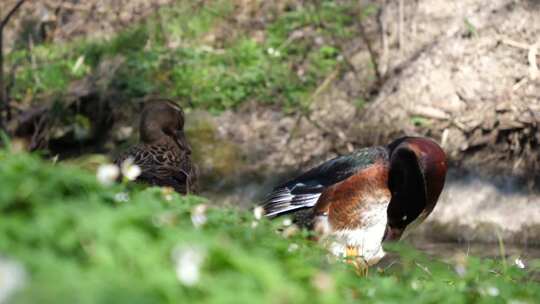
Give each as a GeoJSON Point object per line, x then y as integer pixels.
{"type": "Point", "coordinates": [217, 158]}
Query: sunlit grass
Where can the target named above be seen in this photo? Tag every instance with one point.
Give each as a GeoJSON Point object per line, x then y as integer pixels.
{"type": "Point", "coordinates": [168, 55]}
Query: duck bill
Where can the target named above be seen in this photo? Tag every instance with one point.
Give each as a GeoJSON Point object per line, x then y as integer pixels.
{"type": "Point", "coordinates": [181, 141]}
{"type": "Point", "coordinates": [392, 234]}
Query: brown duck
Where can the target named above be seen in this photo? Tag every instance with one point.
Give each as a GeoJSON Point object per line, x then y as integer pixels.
{"type": "Point", "coordinates": [164, 154]}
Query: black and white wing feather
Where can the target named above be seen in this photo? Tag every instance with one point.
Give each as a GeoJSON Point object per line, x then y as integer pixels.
{"type": "Point", "coordinates": [304, 191]}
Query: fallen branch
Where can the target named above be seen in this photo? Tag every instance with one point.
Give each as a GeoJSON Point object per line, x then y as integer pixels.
{"type": "Point", "coordinates": [384, 41]}
{"type": "Point", "coordinates": [306, 113]}
{"type": "Point", "coordinates": [401, 24]}
{"type": "Point", "coordinates": [372, 53]}
{"type": "Point", "coordinates": [430, 112]}
{"type": "Point", "coordinates": [533, 66]}
{"type": "Point", "coordinates": [514, 43]}
{"type": "Point", "coordinates": [531, 58]}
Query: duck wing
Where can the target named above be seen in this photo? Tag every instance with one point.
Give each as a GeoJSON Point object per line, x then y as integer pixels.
{"type": "Point", "coordinates": [161, 166]}
{"type": "Point", "coordinates": [304, 191]}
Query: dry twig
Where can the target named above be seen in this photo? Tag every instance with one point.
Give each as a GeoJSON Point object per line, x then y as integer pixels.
{"type": "Point", "coordinates": [4, 105]}
{"type": "Point", "coordinates": [533, 66]}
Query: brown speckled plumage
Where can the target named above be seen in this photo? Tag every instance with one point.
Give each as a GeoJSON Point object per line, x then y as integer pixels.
{"type": "Point", "coordinates": [164, 155]}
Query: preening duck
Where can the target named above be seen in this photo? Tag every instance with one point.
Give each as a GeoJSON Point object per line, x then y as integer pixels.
{"type": "Point", "coordinates": [357, 200]}
{"type": "Point", "coordinates": [164, 155]}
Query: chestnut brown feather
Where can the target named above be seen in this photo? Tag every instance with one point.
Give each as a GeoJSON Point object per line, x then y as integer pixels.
{"type": "Point", "coordinates": [411, 169]}
{"type": "Point", "coordinates": [417, 178]}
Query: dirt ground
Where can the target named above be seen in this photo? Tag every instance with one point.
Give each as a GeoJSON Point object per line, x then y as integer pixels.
{"type": "Point", "coordinates": [465, 73]}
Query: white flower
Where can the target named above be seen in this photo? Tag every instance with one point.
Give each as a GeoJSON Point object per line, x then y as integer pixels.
{"type": "Point", "coordinates": [287, 222]}
{"type": "Point", "coordinates": [12, 277]}
{"type": "Point", "coordinates": [107, 174]}
{"type": "Point", "coordinates": [491, 291]}
{"type": "Point", "coordinates": [167, 193]}
{"type": "Point", "coordinates": [290, 231]}
{"type": "Point", "coordinates": [198, 215]}
{"type": "Point", "coordinates": [415, 285]}
{"type": "Point", "coordinates": [293, 247]}
{"type": "Point", "coordinates": [121, 197]}
{"type": "Point", "coordinates": [130, 170]}
{"type": "Point", "coordinates": [254, 224]}
{"type": "Point", "coordinates": [273, 52]}
{"type": "Point", "coordinates": [258, 212]}
{"type": "Point", "coordinates": [460, 265]}
{"type": "Point", "coordinates": [519, 263]}
{"type": "Point", "coordinates": [188, 261]}
{"type": "Point", "coordinates": [460, 270]}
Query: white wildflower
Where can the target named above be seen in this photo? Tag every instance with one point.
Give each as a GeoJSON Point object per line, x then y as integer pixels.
{"type": "Point", "coordinates": [415, 285]}
{"type": "Point", "coordinates": [130, 170]}
{"type": "Point", "coordinates": [12, 277]}
{"type": "Point", "coordinates": [290, 231]}
{"type": "Point", "coordinates": [188, 261]}
{"type": "Point", "coordinates": [273, 52]}
{"type": "Point", "coordinates": [167, 193]}
{"type": "Point", "coordinates": [254, 224]}
{"type": "Point", "coordinates": [293, 247]}
{"type": "Point", "coordinates": [460, 265]}
{"type": "Point", "coordinates": [460, 270]}
{"type": "Point", "coordinates": [198, 215]}
{"type": "Point", "coordinates": [107, 174]}
{"type": "Point", "coordinates": [519, 263]}
{"type": "Point", "coordinates": [287, 222]}
{"type": "Point", "coordinates": [121, 197]}
{"type": "Point", "coordinates": [258, 212]}
{"type": "Point", "coordinates": [490, 291]}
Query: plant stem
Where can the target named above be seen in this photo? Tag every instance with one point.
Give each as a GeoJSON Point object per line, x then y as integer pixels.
{"type": "Point", "coordinates": [4, 104]}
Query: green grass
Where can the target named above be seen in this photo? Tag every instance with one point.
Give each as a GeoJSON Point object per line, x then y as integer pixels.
{"type": "Point", "coordinates": [167, 54]}
{"type": "Point", "coordinates": [80, 243]}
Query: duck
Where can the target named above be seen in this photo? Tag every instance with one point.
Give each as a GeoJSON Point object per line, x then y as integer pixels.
{"type": "Point", "coordinates": [163, 154]}
{"type": "Point", "coordinates": [355, 202]}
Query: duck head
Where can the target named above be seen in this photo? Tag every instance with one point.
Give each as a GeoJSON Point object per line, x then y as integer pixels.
{"type": "Point", "coordinates": [416, 178]}
{"type": "Point", "coordinates": [163, 119]}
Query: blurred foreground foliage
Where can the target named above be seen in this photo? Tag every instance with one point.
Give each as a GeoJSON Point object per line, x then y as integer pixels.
{"type": "Point", "coordinates": [81, 242]}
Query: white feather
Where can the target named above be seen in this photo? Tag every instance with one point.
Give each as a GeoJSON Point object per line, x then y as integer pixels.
{"type": "Point", "coordinates": [367, 239]}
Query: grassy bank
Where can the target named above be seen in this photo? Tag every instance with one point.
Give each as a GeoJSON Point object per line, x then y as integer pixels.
{"type": "Point", "coordinates": [79, 241]}
{"type": "Point", "coordinates": [200, 55]}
